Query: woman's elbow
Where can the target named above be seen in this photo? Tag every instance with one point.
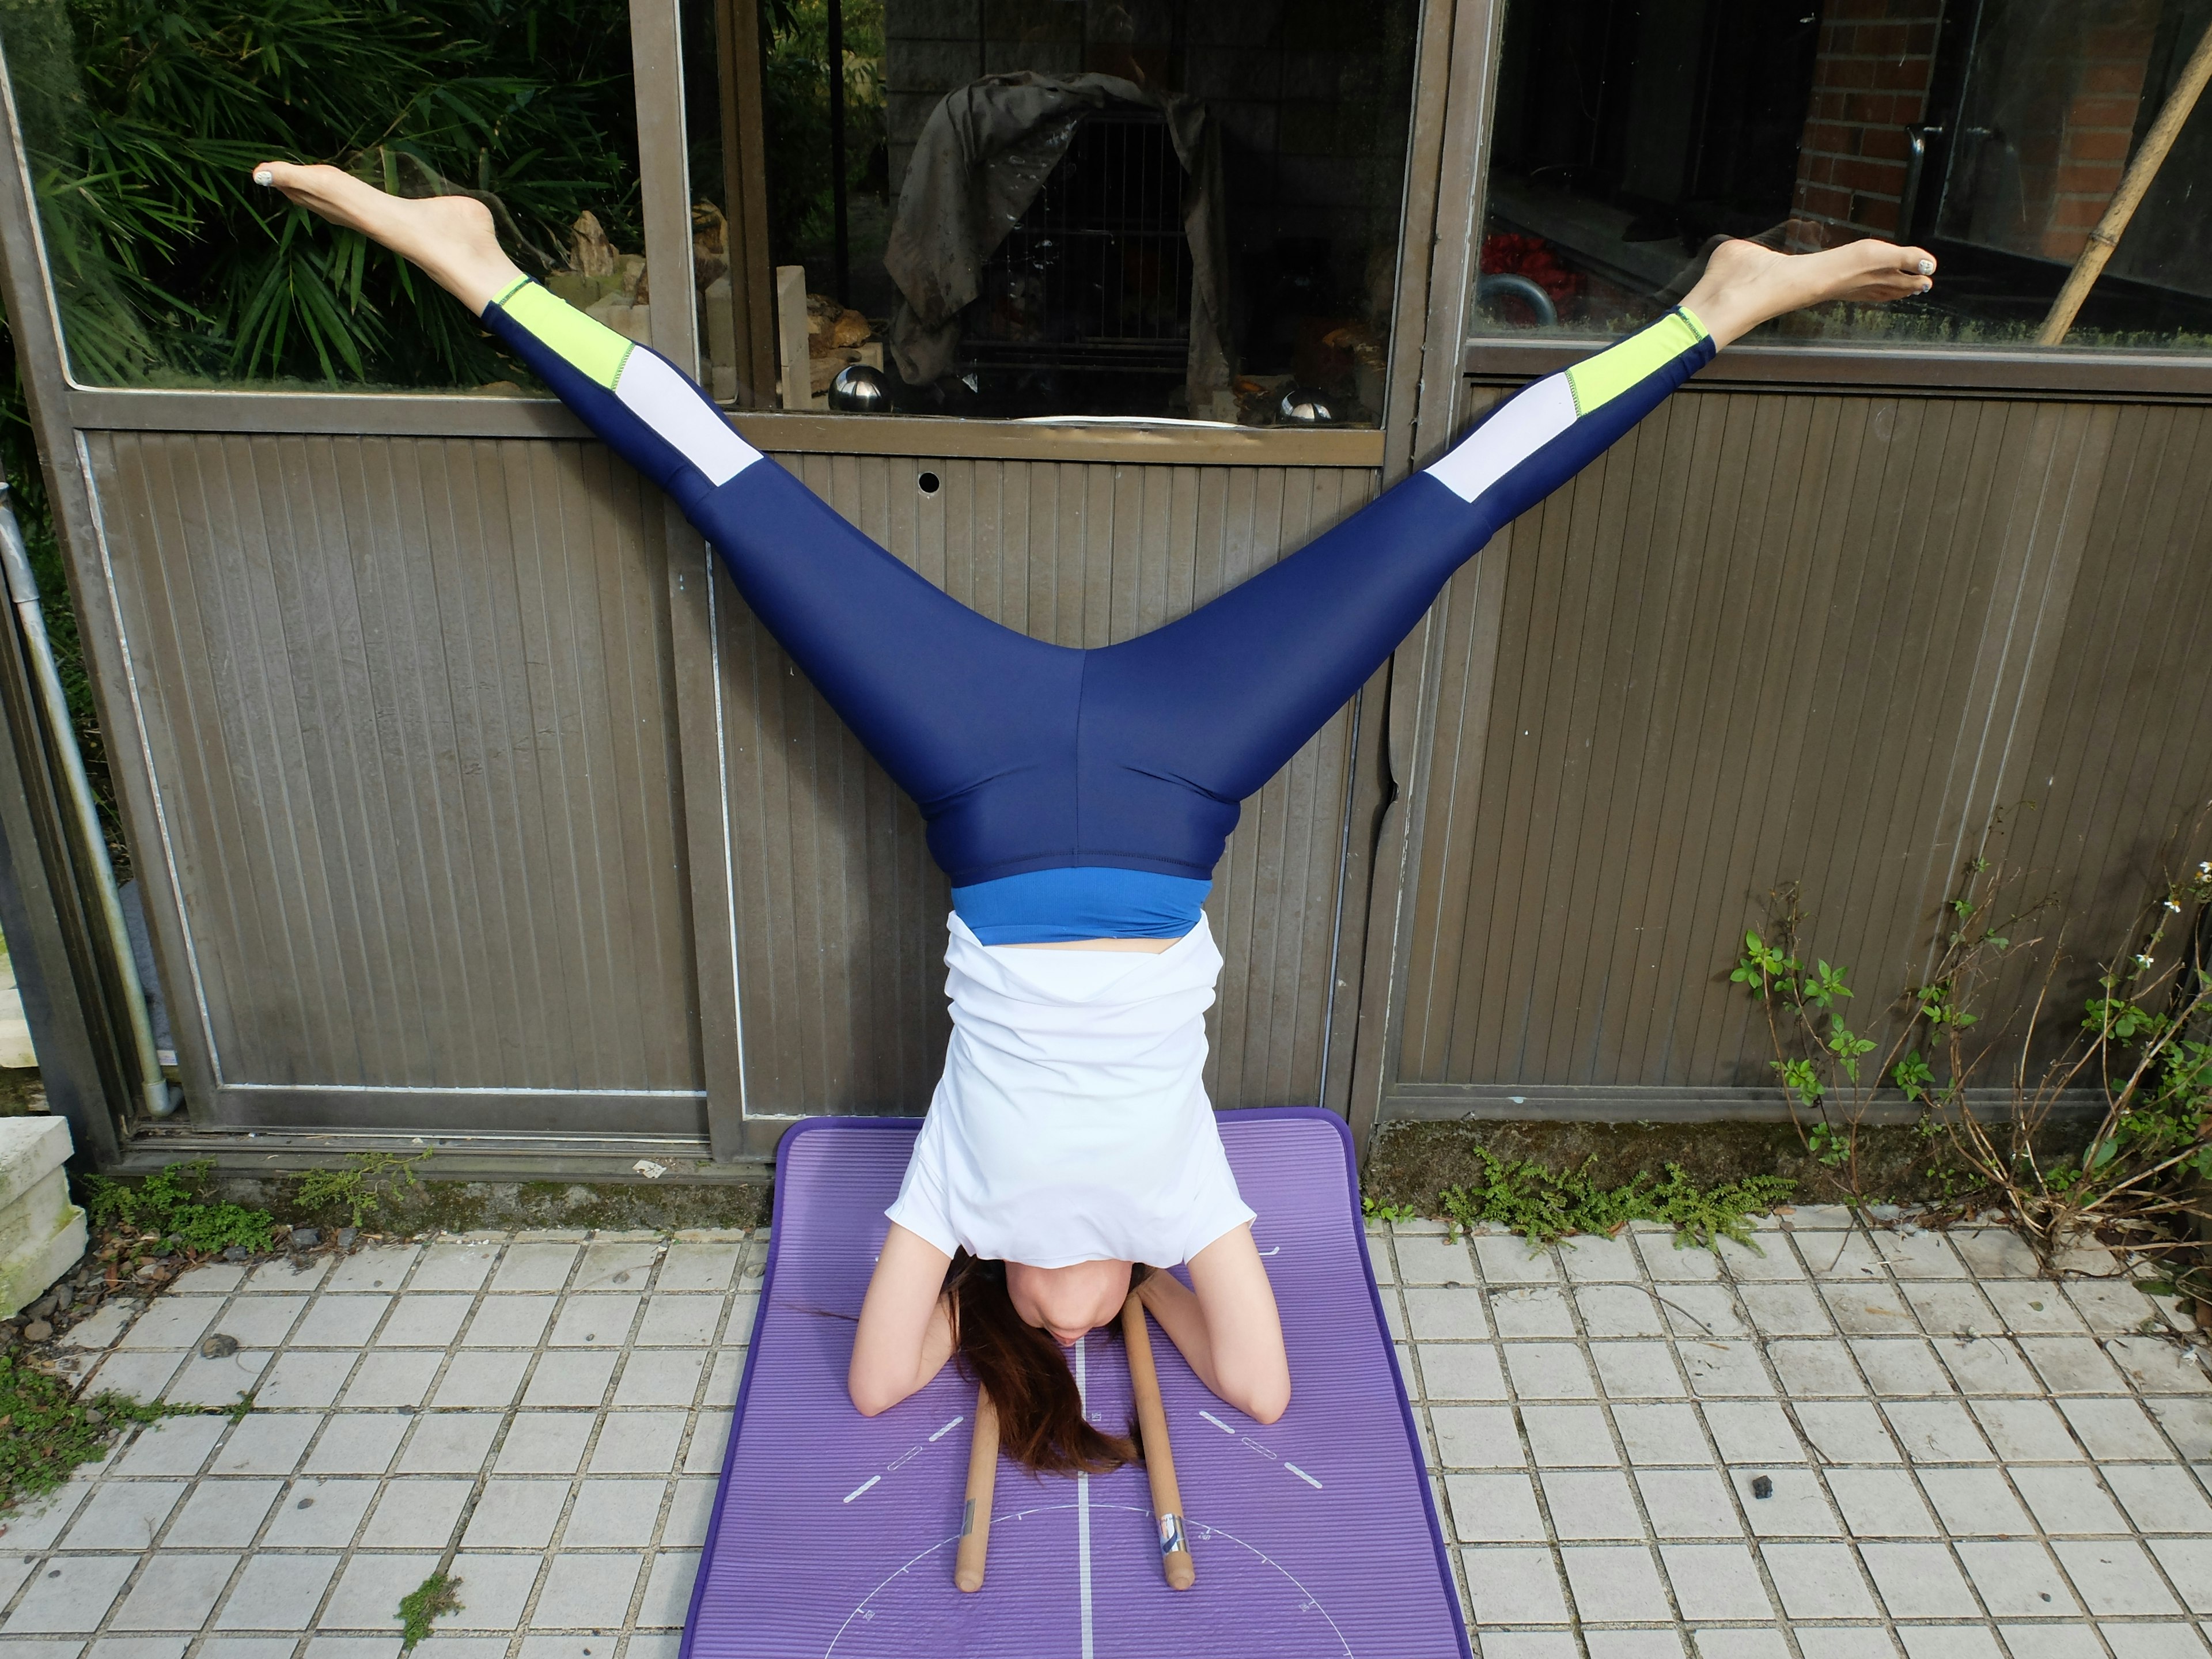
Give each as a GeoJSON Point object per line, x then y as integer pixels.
{"type": "Point", "coordinates": [1264, 1399]}
{"type": "Point", "coordinates": [873, 1395]}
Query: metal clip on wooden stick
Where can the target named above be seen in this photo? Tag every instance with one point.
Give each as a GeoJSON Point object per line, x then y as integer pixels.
{"type": "Point", "coordinates": [1159, 1461]}
{"type": "Point", "coordinates": [975, 1515]}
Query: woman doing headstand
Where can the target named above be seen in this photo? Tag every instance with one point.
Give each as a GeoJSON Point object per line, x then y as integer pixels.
{"type": "Point", "coordinates": [1079, 800]}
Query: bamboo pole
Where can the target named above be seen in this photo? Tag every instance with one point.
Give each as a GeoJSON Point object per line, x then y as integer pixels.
{"type": "Point", "coordinates": [1160, 1460]}
{"type": "Point", "coordinates": [982, 1479]}
{"type": "Point", "coordinates": [2133, 185]}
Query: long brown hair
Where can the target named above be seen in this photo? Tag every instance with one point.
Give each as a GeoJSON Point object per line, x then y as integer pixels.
{"type": "Point", "coordinates": [1024, 1370]}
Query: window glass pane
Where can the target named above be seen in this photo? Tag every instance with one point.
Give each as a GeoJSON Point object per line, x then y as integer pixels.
{"type": "Point", "coordinates": [1131, 208]}
{"type": "Point", "coordinates": [174, 269]}
{"type": "Point", "coordinates": [1994, 132]}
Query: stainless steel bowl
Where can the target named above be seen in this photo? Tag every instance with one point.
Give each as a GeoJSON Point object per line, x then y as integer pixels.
{"type": "Point", "coordinates": [1302, 406]}
{"type": "Point", "coordinates": [859, 389]}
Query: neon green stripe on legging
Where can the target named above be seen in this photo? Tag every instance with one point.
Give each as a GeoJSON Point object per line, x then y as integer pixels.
{"type": "Point", "coordinates": [1599, 381]}
{"type": "Point", "coordinates": [589, 347]}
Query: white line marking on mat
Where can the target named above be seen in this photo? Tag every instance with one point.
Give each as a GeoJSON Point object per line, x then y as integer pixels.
{"type": "Point", "coordinates": [947, 1429]}
{"type": "Point", "coordinates": [1216, 1421]}
{"type": "Point", "coordinates": [1303, 1475]}
{"type": "Point", "coordinates": [862, 1487]}
{"type": "Point", "coordinates": [1257, 1447]}
{"type": "Point", "coordinates": [911, 1451]}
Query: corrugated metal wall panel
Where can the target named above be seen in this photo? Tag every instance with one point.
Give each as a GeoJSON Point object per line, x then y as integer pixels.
{"type": "Point", "coordinates": [409, 703]}
{"type": "Point", "coordinates": [1768, 638]}
{"type": "Point", "coordinates": [841, 912]}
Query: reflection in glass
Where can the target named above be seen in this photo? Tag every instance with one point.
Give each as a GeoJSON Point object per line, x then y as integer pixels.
{"type": "Point", "coordinates": [1629, 133]}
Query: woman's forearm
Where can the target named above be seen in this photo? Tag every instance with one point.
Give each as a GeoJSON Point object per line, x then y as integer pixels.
{"type": "Point", "coordinates": [1170, 1301]}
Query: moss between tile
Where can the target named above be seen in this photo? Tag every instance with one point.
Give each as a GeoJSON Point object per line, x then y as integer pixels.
{"type": "Point", "coordinates": [472, 1205]}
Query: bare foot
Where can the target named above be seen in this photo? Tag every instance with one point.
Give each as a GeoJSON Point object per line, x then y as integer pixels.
{"type": "Point", "coordinates": [1744, 284]}
{"type": "Point", "coordinates": [450, 237]}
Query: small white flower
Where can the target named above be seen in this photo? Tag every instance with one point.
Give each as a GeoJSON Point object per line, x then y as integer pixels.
{"type": "Point", "coordinates": [2142, 961]}
{"type": "Point", "coordinates": [2205, 868]}
{"type": "Point", "coordinates": [2171, 906]}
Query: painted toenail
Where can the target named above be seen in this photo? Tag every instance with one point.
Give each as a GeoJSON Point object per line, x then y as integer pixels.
{"type": "Point", "coordinates": [1926, 267]}
{"type": "Point", "coordinates": [264, 177]}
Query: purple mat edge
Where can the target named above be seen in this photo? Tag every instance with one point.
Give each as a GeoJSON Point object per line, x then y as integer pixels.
{"type": "Point", "coordinates": [911, 1125]}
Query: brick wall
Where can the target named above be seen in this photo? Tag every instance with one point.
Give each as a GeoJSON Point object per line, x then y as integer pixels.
{"type": "Point", "coordinates": [1869, 83]}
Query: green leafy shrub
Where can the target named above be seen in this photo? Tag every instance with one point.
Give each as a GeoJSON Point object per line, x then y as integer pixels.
{"type": "Point", "coordinates": [44, 1434]}
{"type": "Point", "coordinates": [173, 1207]}
{"type": "Point", "coordinates": [360, 1189]}
{"type": "Point", "coordinates": [1544, 1205]}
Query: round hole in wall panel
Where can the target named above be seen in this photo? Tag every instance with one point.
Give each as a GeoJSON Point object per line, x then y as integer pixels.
{"type": "Point", "coordinates": [928, 484]}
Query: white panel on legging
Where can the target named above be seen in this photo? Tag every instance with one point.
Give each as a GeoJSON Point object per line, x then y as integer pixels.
{"type": "Point", "coordinates": [1525, 425]}
{"type": "Point", "coordinates": [680, 412]}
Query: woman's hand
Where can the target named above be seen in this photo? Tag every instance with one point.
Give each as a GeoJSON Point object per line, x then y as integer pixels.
{"type": "Point", "coordinates": [1229, 1332]}
{"type": "Point", "coordinates": [905, 1331]}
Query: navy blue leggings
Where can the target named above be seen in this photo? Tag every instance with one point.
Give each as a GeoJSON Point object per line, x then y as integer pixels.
{"type": "Point", "coordinates": [1027, 758]}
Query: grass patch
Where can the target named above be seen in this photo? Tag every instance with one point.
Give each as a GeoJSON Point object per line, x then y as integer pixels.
{"type": "Point", "coordinates": [360, 1189]}
{"type": "Point", "coordinates": [433, 1598]}
{"type": "Point", "coordinates": [174, 1206]}
{"type": "Point", "coordinates": [1544, 1205]}
{"type": "Point", "coordinates": [44, 1434]}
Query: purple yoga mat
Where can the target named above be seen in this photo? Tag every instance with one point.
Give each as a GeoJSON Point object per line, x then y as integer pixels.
{"type": "Point", "coordinates": [833, 1535]}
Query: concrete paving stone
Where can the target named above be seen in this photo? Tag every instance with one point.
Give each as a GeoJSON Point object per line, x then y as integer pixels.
{"type": "Point", "coordinates": [449, 1443]}
{"type": "Point", "coordinates": [1975, 1503]}
{"type": "Point", "coordinates": [545, 1443]}
{"type": "Point", "coordinates": [1901, 1367]}
{"type": "Point", "coordinates": [668, 1589]}
{"type": "Point", "coordinates": [286, 1275]}
{"type": "Point", "coordinates": [124, 1515]}
{"type": "Point", "coordinates": [1549, 1370]}
{"type": "Point", "coordinates": [170, 1322]}
{"type": "Point", "coordinates": [1952, 1307]}
{"type": "Point", "coordinates": [174, 1591]}
{"type": "Point", "coordinates": [1918, 1255]}
{"type": "Point", "coordinates": [710, 1439]}
{"type": "Point", "coordinates": [2159, 1497]}
{"type": "Point", "coordinates": [222, 1382]}
{"type": "Point", "coordinates": [602, 1320]}
{"type": "Point", "coordinates": [1436, 1260]}
{"type": "Point", "coordinates": [1843, 1642]}
{"type": "Point", "coordinates": [259, 1322]}
{"type": "Point", "coordinates": [1685, 1503]}
{"type": "Point", "coordinates": [1648, 1643]}
{"type": "Point", "coordinates": [616, 1267]}
{"type": "Point", "coordinates": [1592, 1259]}
{"type": "Point", "coordinates": [2115, 1577]}
{"type": "Point", "coordinates": [2018, 1580]}
{"type": "Point", "coordinates": [1814, 1367]}
{"type": "Point", "coordinates": [1995, 1253]}
{"type": "Point", "coordinates": [341, 1321]}
{"type": "Point", "coordinates": [491, 1378]}
{"type": "Point", "coordinates": [401, 1378]}
{"type": "Point", "coordinates": [1846, 1430]}
{"type": "Point", "coordinates": [2159, 1364]}
{"type": "Point", "coordinates": [177, 1445]}
{"type": "Point", "coordinates": [1484, 1509]}
{"type": "Point", "coordinates": [1592, 1503]}
{"type": "Point", "coordinates": [1716, 1581]}
{"type": "Point", "coordinates": [374, 1267]}
{"type": "Point", "coordinates": [1461, 1370]}
{"type": "Point", "coordinates": [1477, 1437]}
{"type": "Point", "coordinates": [580, 1645]}
{"type": "Point", "coordinates": [1670, 1260]}
{"type": "Point", "coordinates": [2187, 1423]}
{"type": "Point", "coordinates": [38, 1521]}
{"type": "Point", "coordinates": [744, 1313]}
{"type": "Point", "coordinates": [1843, 1256]}
{"type": "Point", "coordinates": [452, 1267]}
{"type": "Point", "coordinates": [2155, 1641]}
{"type": "Point", "coordinates": [2026, 1430]}
{"type": "Point", "coordinates": [320, 1514]}
{"type": "Point", "coordinates": [585, 1591]}
{"type": "Point", "coordinates": [2052, 1641]}
{"type": "Point", "coordinates": [2032, 1307]}
{"type": "Point", "coordinates": [573, 1379]}
{"type": "Point", "coordinates": [1948, 1642]}
{"type": "Point", "coordinates": [1568, 1437]}
{"type": "Point", "coordinates": [69, 1594]}
{"type": "Point", "coordinates": [357, 1443]}
{"type": "Point", "coordinates": [1616, 1584]}
{"type": "Point", "coordinates": [1819, 1218]}
{"type": "Point", "coordinates": [702, 1267]}
{"type": "Point", "coordinates": [1860, 1309]}
{"type": "Point", "coordinates": [1722, 1369]}
{"type": "Point", "coordinates": [1987, 1365]}
{"type": "Point", "coordinates": [141, 1375]}
{"type": "Point", "coordinates": [2188, 1564]}
{"type": "Point", "coordinates": [2068, 1499]}
{"type": "Point", "coordinates": [1638, 1370]}
{"type": "Point", "coordinates": [2118, 1429]}
{"type": "Point", "coordinates": [1739, 1644]}
{"type": "Point", "coordinates": [688, 1513]}
{"type": "Point", "coordinates": [650, 1645]}
{"type": "Point", "coordinates": [1612, 1310]}
{"type": "Point", "coordinates": [1513, 1586]}
{"type": "Point", "coordinates": [458, 1647]}
{"type": "Point", "coordinates": [1880, 1504]}
{"type": "Point", "coordinates": [1753, 1431]}
{"type": "Point", "coordinates": [2073, 1364]}
{"type": "Point", "coordinates": [422, 1321]}
{"type": "Point", "coordinates": [540, 1266]}
{"type": "Point", "coordinates": [103, 1327]}
{"type": "Point", "coordinates": [1394, 1314]}
{"type": "Point", "coordinates": [225, 1514]}
{"type": "Point", "coordinates": [2111, 1307]}
{"type": "Point", "coordinates": [510, 1322]}
{"type": "Point", "coordinates": [310, 1378]}
{"type": "Point", "coordinates": [1504, 1259]}
{"type": "Point", "coordinates": [209, 1278]}
{"type": "Point", "coordinates": [659, 1377]}
{"type": "Point", "coordinates": [1445, 1315]}
{"type": "Point", "coordinates": [517, 1515]}
{"type": "Point", "coordinates": [1529, 1644]}
{"type": "Point", "coordinates": [1936, 1431]}
{"type": "Point", "coordinates": [277, 1593]}
{"type": "Point", "coordinates": [367, 1596]}
{"type": "Point", "coordinates": [1708, 1312]}
{"type": "Point", "coordinates": [638, 1442]}
{"type": "Point", "coordinates": [140, 1647]}
{"type": "Point", "coordinates": [1662, 1435]}
{"type": "Point", "coordinates": [1820, 1581]}
{"type": "Point", "coordinates": [682, 1321]}
{"type": "Point", "coordinates": [1919, 1581]}
{"type": "Point", "coordinates": [1795, 1506]}
{"type": "Point", "coordinates": [614, 1515]}
{"type": "Point", "coordinates": [417, 1514]}
{"type": "Point", "coordinates": [1785, 1309]}
{"type": "Point", "coordinates": [494, 1589]}
{"type": "Point", "coordinates": [352, 1647]}
{"type": "Point", "coordinates": [1767, 1259]}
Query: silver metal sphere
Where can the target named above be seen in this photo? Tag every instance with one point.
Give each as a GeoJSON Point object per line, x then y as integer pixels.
{"type": "Point", "coordinates": [860, 389]}
{"type": "Point", "coordinates": [1302, 406]}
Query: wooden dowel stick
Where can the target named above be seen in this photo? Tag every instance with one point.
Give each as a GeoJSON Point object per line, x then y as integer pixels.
{"type": "Point", "coordinates": [1160, 1460]}
{"type": "Point", "coordinates": [976, 1515]}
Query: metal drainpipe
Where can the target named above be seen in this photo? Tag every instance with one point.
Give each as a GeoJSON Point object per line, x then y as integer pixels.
{"type": "Point", "coordinates": [23, 590]}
